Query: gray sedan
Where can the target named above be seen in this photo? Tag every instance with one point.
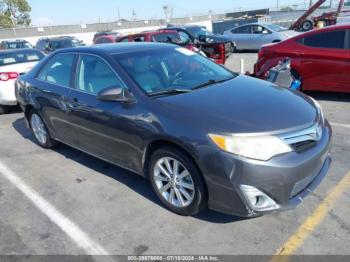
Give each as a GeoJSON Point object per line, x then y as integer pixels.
{"type": "Point", "coordinates": [254, 36]}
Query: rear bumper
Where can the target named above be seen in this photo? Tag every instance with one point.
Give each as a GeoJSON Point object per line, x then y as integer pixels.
{"type": "Point", "coordinates": [287, 179]}
{"type": "Point", "coordinates": [7, 93]}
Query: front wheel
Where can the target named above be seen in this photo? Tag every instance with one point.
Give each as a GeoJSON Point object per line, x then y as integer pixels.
{"type": "Point", "coordinates": [40, 131]}
{"type": "Point", "coordinates": [177, 181]}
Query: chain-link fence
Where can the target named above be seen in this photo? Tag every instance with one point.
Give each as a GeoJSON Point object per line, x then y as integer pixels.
{"type": "Point", "coordinates": [87, 28]}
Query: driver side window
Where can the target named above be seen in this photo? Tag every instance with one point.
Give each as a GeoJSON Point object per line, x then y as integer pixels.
{"type": "Point", "coordinates": [94, 75]}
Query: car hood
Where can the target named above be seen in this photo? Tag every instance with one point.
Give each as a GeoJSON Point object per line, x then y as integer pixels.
{"type": "Point", "coordinates": [241, 105]}
{"type": "Point", "coordinates": [289, 33]}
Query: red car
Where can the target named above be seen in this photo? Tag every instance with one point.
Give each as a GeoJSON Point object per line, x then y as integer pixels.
{"type": "Point", "coordinates": [107, 39]}
{"type": "Point", "coordinates": [320, 58]}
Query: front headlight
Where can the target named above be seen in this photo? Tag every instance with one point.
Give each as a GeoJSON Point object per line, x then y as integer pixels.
{"type": "Point", "coordinates": [255, 147]}
{"type": "Point", "coordinates": [320, 114]}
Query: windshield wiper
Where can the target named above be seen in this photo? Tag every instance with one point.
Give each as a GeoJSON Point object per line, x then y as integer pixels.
{"type": "Point", "coordinates": [211, 82]}
{"type": "Point", "coordinates": [171, 92]}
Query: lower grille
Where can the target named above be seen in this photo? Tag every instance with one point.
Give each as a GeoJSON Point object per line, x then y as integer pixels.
{"type": "Point", "coordinates": [303, 145]}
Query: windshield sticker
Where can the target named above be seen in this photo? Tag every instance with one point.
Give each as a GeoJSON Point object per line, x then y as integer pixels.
{"type": "Point", "coordinates": [185, 51]}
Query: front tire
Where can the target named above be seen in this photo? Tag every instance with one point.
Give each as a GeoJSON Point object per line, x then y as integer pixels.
{"type": "Point", "coordinates": [40, 131]}
{"type": "Point", "coordinates": [177, 181]}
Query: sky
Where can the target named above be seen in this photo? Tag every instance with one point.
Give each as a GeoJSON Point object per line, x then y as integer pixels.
{"type": "Point", "coordinates": [90, 11]}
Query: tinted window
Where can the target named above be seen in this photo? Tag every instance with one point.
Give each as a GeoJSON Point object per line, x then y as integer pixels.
{"type": "Point", "coordinates": [241, 30]}
{"type": "Point", "coordinates": [258, 29]}
{"type": "Point", "coordinates": [18, 44]}
{"type": "Point", "coordinates": [65, 43]}
{"type": "Point", "coordinates": [20, 57]}
{"type": "Point", "coordinates": [58, 70]}
{"type": "Point", "coordinates": [167, 38]}
{"type": "Point", "coordinates": [199, 31]}
{"type": "Point", "coordinates": [94, 75]}
{"type": "Point", "coordinates": [334, 39]}
{"type": "Point", "coordinates": [167, 69]}
{"type": "Point", "coordinates": [124, 40]}
{"type": "Point", "coordinates": [185, 38]}
{"type": "Point", "coordinates": [138, 38]}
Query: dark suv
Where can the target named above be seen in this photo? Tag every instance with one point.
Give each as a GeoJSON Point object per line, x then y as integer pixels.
{"type": "Point", "coordinates": [216, 47]}
{"type": "Point", "coordinates": [15, 44]}
{"type": "Point", "coordinates": [48, 45]}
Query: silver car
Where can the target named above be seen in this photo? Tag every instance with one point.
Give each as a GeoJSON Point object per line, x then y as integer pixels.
{"type": "Point", "coordinates": [254, 36]}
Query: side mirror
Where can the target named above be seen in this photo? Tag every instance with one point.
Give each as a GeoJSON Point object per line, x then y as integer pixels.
{"type": "Point", "coordinates": [116, 94]}
{"type": "Point", "coordinates": [265, 32]}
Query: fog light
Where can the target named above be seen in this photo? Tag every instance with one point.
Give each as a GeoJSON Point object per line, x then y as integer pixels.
{"type": "Point", "coordinates": [257, 200]}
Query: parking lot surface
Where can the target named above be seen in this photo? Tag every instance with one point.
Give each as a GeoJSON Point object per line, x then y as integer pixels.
{"type": "Point", "coordinates": [64, 201]}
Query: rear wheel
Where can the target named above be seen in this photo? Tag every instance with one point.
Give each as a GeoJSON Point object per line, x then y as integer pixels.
{"type": "Point", "coordinates": [307, 25]}
{"type": "Point", "coordinates": [40, 131]}
{"type": "Point", "coordinates": [177, 181]}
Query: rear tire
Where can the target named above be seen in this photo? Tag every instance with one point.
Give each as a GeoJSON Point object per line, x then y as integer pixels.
{"type": "Point", "coordinates": [307, 25]}
{"type": "Point", "coordinates": [181, 189]}
{"type": "Point", "coordinates": [40, 131]}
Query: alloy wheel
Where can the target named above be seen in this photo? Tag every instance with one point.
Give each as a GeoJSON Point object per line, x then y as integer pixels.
{"type": "Point", "coordinates": [174, 182]}
{"type": "Point", "coordinates": [38, 128]}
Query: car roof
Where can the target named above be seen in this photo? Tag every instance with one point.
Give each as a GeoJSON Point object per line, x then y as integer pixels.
{"type": "Point", "coordinates": [119, 48]}
{"type": "Point", "coordinates": [13, 41]}
{"type": "Point", "coordinates": [57, 38]}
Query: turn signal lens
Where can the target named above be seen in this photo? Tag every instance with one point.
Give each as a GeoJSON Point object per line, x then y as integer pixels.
{"type": "Point", "coordinates": [254, 147]}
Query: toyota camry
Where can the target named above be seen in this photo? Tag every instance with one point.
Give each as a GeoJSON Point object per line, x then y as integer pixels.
{"type": "Point", "coordinates": [203, 135]}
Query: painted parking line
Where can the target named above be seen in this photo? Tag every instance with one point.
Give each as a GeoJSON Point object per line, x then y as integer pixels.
{"type": "Point", "coordinates": [67, 226]}
{"type": "Point", "coordinates": [311, 222]}
{"type": "Point", "coordinates": [340, 125]}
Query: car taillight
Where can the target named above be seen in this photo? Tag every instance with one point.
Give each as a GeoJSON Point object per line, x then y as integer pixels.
{"type": "Point", "coordinates": [220, 55]}
{"type": "Point", "coordinates": [8, 76]}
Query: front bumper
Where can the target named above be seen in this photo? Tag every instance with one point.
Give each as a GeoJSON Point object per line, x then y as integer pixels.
{"type": "Point", "coordinates": [7, 93]}
{"type": "Point", "coordinates": [287, 179]}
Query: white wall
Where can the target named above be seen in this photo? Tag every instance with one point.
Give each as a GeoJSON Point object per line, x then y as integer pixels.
{"type": "Point", "coordinates": [87, 37]}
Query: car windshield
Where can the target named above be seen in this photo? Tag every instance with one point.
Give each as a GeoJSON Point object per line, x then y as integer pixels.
{"type": "Point", "coordinates": [276, 28]}
{"type": "Point", "coordinates": [9, 58]}
{"type": "Point", "coordinates": [171, 69]}
{"type": "Point", "coordinates": [167, 38]}
{"type": "Point", "coordinates": [65, 43]}
{"type": "Point", "coordinates": [19, 44]}
{"type": "Point", "coordinates": [198, 31]}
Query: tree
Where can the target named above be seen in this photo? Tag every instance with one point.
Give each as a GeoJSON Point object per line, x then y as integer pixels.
{"type": "Point", "coordinates": [14, 13]}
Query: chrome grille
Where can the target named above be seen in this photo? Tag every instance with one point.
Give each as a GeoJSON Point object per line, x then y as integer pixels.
{"type": "Point", "coordinates": [304, 139]}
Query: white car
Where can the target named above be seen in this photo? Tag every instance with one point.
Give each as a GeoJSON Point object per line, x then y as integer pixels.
{"type": "Point", "coordinates": [13, 63]}
{"type": "Point", "coordinates": [254, 36]}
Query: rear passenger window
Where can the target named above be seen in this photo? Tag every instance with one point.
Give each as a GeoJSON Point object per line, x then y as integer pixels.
{"type": "Point", "coordinates": [334, 39]}
{"type": "Point", "coordinates": [58, 70]}
{"type": "Point", "coordinates": [94, 75]}
{"type": "Point", "coordinates": [241, 30]}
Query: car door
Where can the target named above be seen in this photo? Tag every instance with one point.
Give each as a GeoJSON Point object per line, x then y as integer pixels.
{"type": "Point", "coordinates": [260, 36]}
{"type": "Point", "coordinates": [324, 62]}
{"type": "Point", "coordinates": [52, 88]}
{"type": "Point", "coordinates": [242, 37]}
{"type": "Point", "coordinates": [103, 128]}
